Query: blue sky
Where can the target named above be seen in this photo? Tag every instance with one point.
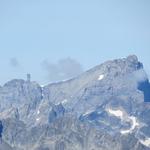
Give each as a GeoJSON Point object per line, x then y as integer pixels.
{"type": "Point", "coordinates": [88, 31]}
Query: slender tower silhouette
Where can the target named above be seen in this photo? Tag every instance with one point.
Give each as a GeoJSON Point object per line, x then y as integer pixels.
{"type": "Point", "coordinates": [28, 77]}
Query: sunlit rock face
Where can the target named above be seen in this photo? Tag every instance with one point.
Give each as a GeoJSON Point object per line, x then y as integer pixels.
{"type": "Point", "coordinates": [102, 109]}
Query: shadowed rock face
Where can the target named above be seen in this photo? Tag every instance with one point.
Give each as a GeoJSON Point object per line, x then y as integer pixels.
{"type": "Point", "coordinates": [3, 144]}
{"type": "Point", "coordinates": [1, 129]}
{"type": "Point", "coordinates": [56, 112]}
{"type": "Point", "coordinates": [102, 109]}
{"type": "Point", "coordinates": [145, 88]}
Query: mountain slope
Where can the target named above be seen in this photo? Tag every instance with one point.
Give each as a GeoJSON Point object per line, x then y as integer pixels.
{"type": "Point", "coordinates": [111, 100]}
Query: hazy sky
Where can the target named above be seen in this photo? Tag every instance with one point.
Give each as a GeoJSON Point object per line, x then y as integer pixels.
{"type": "Point", "coordinates": [38, 35]}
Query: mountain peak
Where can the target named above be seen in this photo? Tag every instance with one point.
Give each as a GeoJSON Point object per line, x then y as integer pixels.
{"type": "Point", "coordinates": [132, 58]}
{"type": "Point", "coordinates": [118, 67]}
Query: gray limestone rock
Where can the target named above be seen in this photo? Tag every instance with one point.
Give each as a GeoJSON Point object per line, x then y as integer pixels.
{"type": "Point", "coordinates": [105, 108]}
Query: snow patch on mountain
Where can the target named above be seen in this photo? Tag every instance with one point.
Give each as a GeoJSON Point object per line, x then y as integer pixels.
{"type": "Point", "coordinates": [42, 86]}
{"type": "Point", "coordinates": [101, 77]}
{"type": "Point", "coordinates": [145, 142]}
{"type": "Point", "coordinates": [38, 112]}
{"type": "Point", "coordinates": [64, 101]}
{"type": "Point", "coordinates": [124, 117]}
{"type": "Point", "coordinates": [134, 125]}
{"type": "Point", "coordinates": [117, 113]}
{"type": "Point", "coordinates": [88, 112]}
{"type": "Point", "coordinates": [37, 119]}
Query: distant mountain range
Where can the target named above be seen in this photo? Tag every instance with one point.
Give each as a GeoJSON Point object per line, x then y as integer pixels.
{"type": "Point", "coordinates": [105, 108]}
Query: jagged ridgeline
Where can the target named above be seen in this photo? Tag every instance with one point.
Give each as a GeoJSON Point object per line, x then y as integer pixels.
{"type": "Point", "coordinates": [105, 108]}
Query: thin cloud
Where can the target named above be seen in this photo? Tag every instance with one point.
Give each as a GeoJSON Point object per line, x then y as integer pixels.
{"type": "Point", "coordinates": [64, 69]}
{"type": "Point", "coordinates": [140, 75]}
{"type": "Point", "coordinates": [14, 62]}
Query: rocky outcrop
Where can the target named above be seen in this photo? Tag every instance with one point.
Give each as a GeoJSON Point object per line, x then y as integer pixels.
{"type": "Point", "coordinates": [102, 108]}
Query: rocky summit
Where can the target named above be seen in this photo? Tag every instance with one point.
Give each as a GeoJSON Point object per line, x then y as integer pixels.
{"type": "Point", "coordinates": [105, 108]}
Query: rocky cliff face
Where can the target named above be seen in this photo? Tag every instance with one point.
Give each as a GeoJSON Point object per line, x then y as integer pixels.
{"type": "Point", "coordinates": [104, 108]}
